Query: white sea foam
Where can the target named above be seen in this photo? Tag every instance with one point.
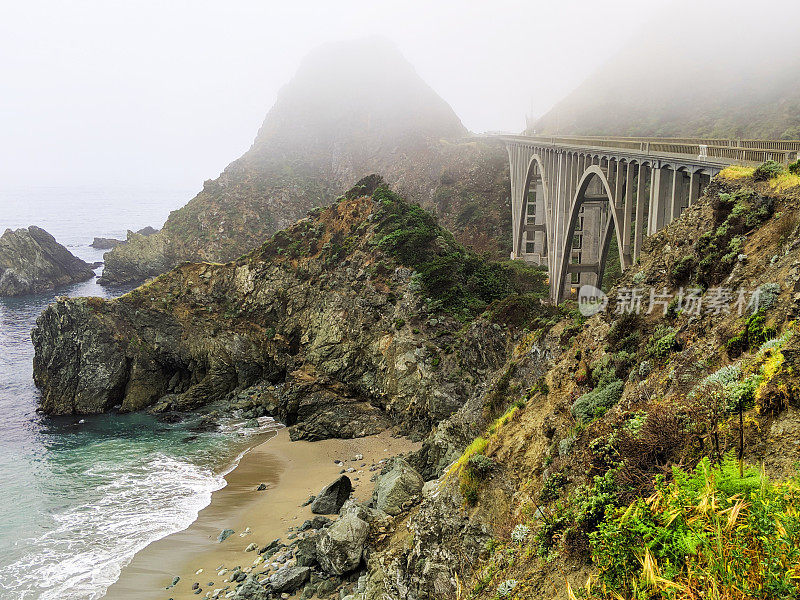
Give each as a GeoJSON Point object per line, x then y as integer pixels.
{"type": "Point", "coordinates": [84, 553]}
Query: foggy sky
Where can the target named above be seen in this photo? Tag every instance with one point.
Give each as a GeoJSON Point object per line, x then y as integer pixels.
{"type": "Point", "coordinates": [168, 92]}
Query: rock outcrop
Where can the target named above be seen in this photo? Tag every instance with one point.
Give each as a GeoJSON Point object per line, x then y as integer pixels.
{"type": "Point", "coordinates": [32, 261]}
{"type": "Point", "coordinates": [353, 108]}
{"type": "Point", "coordinates": [325, 327]}
{"type": "Point", "coordinates": [102, 243]}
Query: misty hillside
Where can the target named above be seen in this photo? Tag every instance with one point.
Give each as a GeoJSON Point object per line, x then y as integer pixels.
{"type": "Point", "coordinates": [699, 73]}
{"type": "Point", "coordinates": [352, 109]}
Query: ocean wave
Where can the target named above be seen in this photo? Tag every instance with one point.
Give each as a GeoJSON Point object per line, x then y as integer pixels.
{"type": "Point", "coordinates": [84, 553]}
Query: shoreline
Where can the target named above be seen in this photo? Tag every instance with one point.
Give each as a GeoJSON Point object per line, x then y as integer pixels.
{"type": "Point", "coordinates": [291, 472]}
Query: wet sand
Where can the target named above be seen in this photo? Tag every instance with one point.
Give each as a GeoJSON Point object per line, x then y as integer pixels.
{"type": "Point", "coordinates": [292, 471]}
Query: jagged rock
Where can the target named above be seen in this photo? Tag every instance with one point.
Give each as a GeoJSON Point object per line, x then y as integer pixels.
{"type": "Point", "coordinates": [340, 546]}
{"type": "Point", "coordinates": [289, 579]}
{"type": "Point", "coordinates": [32, 261]}
{"type": "Point", "coordinates": [102, 243]}
{"type": "Point", "coordinates": [332, 497]}
{"type": "Point", "coordinates": [397, 487]}
{"type": "Point", "coordinates": [316, 523]}
{"type": "Point", "coordinates": [252, 590]}
{"type": "Point", "coordinates": [145, 231]}
{"type": "Point", "coordinates": [225, 534]}
{"type": "Point", "coordinates": [362, 511]}
{"type": "Point", "coordinates": [306, 553]}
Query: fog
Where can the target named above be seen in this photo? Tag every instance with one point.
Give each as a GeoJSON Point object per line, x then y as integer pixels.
{"type": "Point", "coordinates": [155, 93]}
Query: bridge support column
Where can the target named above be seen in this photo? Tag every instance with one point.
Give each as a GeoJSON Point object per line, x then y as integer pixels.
{"type": "Point", "coordinates": [660, 204]}
{"type": "Point", "coordinates": [641, 205]}
{"type": "Point", "coordinates": [679, 199]}
{"type": "Point", "coordinates": [694, 187]}
{"type": "Point", "coordinates": [626, 215]}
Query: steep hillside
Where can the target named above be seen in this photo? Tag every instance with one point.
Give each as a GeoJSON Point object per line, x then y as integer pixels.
{"type": "Point", "coordinates": [353, 108]}
{"type": "Point", "coordinates": [360, 316]}
{"type": "Point", "coordinates": [694, 76]}
{"type": "Point", "coordinates": [647, 411]}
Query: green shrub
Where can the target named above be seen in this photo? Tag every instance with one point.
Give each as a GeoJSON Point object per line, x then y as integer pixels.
{"type": "Point", "coordinates": [707, 534]}
{"type": "Point", "coordinates": [596, 402]}
{"type": "Point", "coordinates": [456, 279]}
{"type": "Point", "coordinates": [768, 170]}
{"type": "Point", "coordinates": [480, 465]}
{"type": "Point", "coordinates": [662, 342]}
{"type": "Point", "coordinates": [399, 323]}
{"type": "Point", "coordinates": [794, 168]}
{"type": "Point", "coordinates": [682, 270]}
{"type": "Point", "coordinates": [717, 250]}
{"type": "Point", "coordinates": [753, 334]}
{"type": "Point", "coordinates": [552, 487]}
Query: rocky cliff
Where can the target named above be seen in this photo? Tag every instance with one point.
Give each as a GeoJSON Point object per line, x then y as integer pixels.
{"type": "Point", "coordinates": [353, 108]}
{"type": "Point", "coordinates": [32, 261]}
{"type": "Point", "coordinates": [362, 315]}
{"type": "Point", "coordinates": [633, 431]}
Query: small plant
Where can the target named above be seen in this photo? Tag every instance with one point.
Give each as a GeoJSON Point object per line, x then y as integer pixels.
{"type": "Point", "coordinates": [794, 168]}
{"type": "Point", "coordinates": [480, 465]}
{"type": "Point", "coordinates": [399, 323]}
{"type": "Point", "coordinates": [505, 589]}
{"type": "Point", "coordinates": [552, 487]}
{"type": "Point", "coordinates": [754, 333]}
{"type": "Point", "coordinates": [565, 445]}
{"type": "Point", "coordinates": [767, 295]}
{"type": "Point", "coordinates": [768, 170]}
{"type": "Point", "coordinates": [682, 270]}
{"type": "Point", "coordinates": [520, 533]}
{"type": "Point", "coordinates": [663, 341]}
{"type": "Point", "coordinates": [596, 402]}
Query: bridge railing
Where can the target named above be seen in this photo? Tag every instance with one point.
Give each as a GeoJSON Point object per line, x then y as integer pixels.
{"type": "Point", "coordinates": [777, 150]}
{"type": "Point", "coordinates": [785, 145]}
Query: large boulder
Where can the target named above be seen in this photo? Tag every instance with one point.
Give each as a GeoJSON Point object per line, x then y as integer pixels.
{"type": "Point", "coordinates": [32, 261]}
{"type": "Point", "coordinates": [288, 579]}
{"type": "Point", "coordinates": [339, 548]}
{"type": "Point", "coordinates": [397, 487]}
{"type": "Point", "coordinates": [332, 497]}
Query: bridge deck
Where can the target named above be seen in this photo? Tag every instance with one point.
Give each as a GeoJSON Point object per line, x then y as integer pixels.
{"type": "Point", "coordinates": [716, 152]}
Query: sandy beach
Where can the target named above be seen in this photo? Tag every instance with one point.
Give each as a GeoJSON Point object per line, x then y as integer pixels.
{"type": "Point", "coordinates": [291, 471]}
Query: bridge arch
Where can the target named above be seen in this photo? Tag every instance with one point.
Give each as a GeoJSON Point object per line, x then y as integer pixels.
{"type": "Point", "coordinates": [590, 175]}
{"type": "Point", "coordinates": [537, 162]}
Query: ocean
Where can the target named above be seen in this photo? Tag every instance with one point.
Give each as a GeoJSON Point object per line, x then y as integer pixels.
{"type": "Point", "coordinates": [79, 496]}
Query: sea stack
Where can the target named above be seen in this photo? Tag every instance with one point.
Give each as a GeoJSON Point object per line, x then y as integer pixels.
{"type": "Point", "coordinates": [32, 261]}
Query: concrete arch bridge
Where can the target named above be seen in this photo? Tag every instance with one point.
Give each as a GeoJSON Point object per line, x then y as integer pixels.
{"type": "Point", "coordinates": [570, 196]}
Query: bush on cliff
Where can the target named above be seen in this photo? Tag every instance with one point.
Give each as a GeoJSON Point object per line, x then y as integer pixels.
{"type": "Point", "coordinates": [459, 280]}
{"type": "Point", "coordinates": [596, 402]}
{"type": "Point", "coordinates": [768, 170]}
{"type": "Point", "coordinates": [707, 534]}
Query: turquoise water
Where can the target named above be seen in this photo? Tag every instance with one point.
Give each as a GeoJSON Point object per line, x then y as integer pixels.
{"type": "Point", "coordinates": [79, 496]}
